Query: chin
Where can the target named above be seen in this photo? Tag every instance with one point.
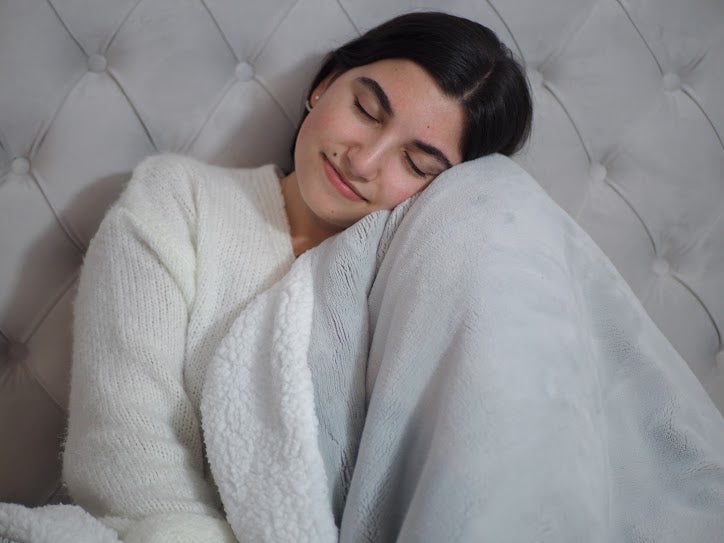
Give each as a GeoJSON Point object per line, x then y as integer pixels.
{"type": "Point", "coordinates": [336, 223]}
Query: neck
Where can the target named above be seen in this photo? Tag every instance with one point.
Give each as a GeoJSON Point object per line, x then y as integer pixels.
{"type": "Point", "coordinates": [306, 229]}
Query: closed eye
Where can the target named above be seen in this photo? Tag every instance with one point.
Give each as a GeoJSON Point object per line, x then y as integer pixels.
{"type": "Point", "coordinates": [417, 171]}
{"type": "Point", "coordinates": [363, 111]}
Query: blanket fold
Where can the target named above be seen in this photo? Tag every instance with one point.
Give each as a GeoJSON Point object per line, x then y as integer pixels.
{"type": "Point", "coordinates": [279, 478]}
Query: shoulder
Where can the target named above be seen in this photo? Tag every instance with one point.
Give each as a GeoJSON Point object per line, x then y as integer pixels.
{"type": "Point", "coordinates": [175, 164]}
{"type": "Point", "coordinates": [166, 171]}
{"type": "Point", "coordinates": [164, 181]}
{"type": "Point", "coordinates": [171, 187]}
{"type": "Point", "coordinates": [174, 172]}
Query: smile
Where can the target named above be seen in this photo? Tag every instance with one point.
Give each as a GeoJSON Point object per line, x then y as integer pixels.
{"type": "Point", "coordinates": [340, 183]}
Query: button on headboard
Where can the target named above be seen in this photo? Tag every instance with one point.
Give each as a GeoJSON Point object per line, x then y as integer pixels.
{"type": "Point", "coordinates": [627, 138]}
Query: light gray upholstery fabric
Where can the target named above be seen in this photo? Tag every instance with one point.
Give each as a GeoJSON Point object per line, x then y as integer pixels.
{"type": "Point", "coordinates": [627, 138]}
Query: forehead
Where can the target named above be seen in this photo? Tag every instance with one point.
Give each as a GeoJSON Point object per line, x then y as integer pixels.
{"type": "Point", "coordinates": [419, 106]}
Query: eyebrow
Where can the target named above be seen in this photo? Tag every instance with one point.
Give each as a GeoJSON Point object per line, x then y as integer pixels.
{"type": "Point", "coordinates": [372, 85]}
{"type": "Point", "coordinates": [434, 151]}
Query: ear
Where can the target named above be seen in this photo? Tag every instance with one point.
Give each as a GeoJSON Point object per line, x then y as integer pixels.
{"type": "Point", "coordinates": [322, 87]}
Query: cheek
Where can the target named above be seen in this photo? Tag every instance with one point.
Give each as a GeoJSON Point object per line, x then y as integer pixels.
{"type": "Point", "coordinates": [305, 131]}
{"type": "Point", "coordinates": [331, 122]}
{"type": "Point", "coordinates": [318, 123]}
{"type": "Point", "coordinates": [396, 193]}
{"type": "Point", "coordinates": [307, 143]}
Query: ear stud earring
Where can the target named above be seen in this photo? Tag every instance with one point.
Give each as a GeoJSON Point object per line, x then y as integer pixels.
{"type": "Point", "coordinates": [308, 106]}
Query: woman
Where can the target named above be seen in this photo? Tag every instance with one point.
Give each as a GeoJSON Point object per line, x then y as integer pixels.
{"type": "Point", "coordinates": [188, 245]}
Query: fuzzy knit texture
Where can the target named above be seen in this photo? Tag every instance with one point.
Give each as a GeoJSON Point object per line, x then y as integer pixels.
{"type": "Point", "coordinates": [175, 260]}
{"type": "Point", "coordinates": [51, 523]}
{"type": "Point", "coordinates": [259, 419]}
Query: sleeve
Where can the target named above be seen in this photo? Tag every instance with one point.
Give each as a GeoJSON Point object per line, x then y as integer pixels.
{"type": "Point", "coordinates": [133, 454]}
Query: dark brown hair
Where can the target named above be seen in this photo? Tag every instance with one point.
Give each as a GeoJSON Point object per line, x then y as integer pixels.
{"type": "Point", "coordinates": [469, 63]}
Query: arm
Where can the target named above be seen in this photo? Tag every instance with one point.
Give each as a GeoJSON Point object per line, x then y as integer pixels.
{"type": "Point", "coordinates": [134, 449]}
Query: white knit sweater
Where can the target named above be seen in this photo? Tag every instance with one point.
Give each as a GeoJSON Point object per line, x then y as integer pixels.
{"type": "Point", "coordinates": [184, 249]}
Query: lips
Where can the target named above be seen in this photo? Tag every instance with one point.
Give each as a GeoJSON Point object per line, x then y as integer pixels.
{"type": "Point", "coordinates": [339, 182]}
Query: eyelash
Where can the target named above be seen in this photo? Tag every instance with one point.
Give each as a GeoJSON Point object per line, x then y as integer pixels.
{"type": "Point", "coordinates": [417, 171]}
{"type": "Point", "coordinates": [363, 111]}
{"type": "Point", "coordinates": [410, 164]}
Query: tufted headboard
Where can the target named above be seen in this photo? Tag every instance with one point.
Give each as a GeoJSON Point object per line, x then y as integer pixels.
{"type": "Point", "coordinates": [627, 137]}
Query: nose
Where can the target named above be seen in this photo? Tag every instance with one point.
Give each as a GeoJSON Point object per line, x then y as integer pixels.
{"type": "Point", "coordinates": [365, 159]}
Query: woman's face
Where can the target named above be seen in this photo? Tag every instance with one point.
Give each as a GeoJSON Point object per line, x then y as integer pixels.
{"type": "Point", "coordinates": [376, 135]}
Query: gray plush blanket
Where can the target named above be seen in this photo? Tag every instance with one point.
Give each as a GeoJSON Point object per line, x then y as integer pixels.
{"type": "Point", "coordinates": [468, 367]}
